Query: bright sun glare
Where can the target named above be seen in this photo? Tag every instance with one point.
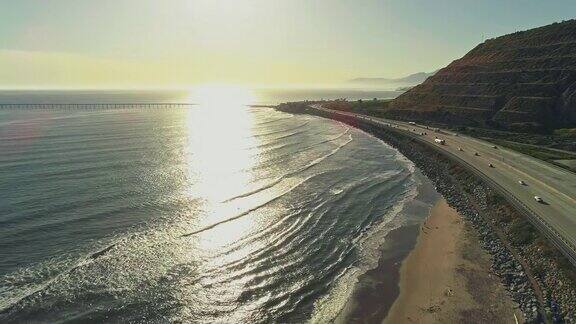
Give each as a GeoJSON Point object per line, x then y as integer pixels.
{"type": "Point", "coordinates": [222, 150]}
{"type": "Point", "coordinates": [221, 96]}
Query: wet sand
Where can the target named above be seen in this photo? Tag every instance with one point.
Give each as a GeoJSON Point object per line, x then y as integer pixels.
{"type": "Point", "coordinates": [446, 277]}
{"type": "Point", "coordinates": [376, 290]}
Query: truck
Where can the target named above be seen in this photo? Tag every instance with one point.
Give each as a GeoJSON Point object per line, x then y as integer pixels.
{"type": "Point", "coordinates": [440, 141]}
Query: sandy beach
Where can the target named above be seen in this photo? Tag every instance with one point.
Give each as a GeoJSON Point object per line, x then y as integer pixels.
{"type": "Point", "coordinates": [376, 290]}
{"type": "Point", "coordinates": [446, 278]}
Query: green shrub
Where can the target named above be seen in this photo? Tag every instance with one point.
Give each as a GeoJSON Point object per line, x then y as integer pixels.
{"type": "Point", "coordinates": [522, 232]}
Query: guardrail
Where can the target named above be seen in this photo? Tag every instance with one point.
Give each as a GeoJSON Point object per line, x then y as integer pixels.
{"type": "Point", "coordinates": [557, 239]}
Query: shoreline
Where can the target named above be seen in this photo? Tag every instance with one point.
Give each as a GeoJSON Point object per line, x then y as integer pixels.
{"type": "Point", "coordinates": [438, 274]}
{"type": "Point", "coordinates": [376, 290]}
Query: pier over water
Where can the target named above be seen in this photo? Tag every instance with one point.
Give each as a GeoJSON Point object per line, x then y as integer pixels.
{"type": "Point", "coordinates": [77, 106]}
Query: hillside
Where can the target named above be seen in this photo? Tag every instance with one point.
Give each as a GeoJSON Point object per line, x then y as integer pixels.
{"type": "Point", "coordinates": [525, 81]}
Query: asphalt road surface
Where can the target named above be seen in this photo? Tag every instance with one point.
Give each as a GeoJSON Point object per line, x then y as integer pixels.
{"type": "Point", "coordinates": [556, 186]}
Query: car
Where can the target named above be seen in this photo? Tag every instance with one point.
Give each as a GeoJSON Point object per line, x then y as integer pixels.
{"type": "Point", "coordinates": [491, 165]}
{"type": "Point", "coordinates": [460, 149]}
{"type": "Point", "coordinates": [521, 182]}
{"type": "Point", "coordinates": [494, 146]}
{"type": "Point", "coordinates": [538, 199]}
{"type": "Point", "coordinates": [476, 154]}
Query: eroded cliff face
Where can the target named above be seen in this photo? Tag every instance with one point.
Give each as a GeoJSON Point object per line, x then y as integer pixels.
{"type": "Point", "coordinates": [522, 81]}
{"type": "Point", "coordinates": [567, 103]}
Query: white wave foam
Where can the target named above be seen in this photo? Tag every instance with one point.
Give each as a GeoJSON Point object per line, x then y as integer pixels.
{"type": "Point", "coordinates": [293, 173]}
{"type": "Point", "coordinates": [229, 219]}
{"type": "Point", "coordinates": [329, 307]}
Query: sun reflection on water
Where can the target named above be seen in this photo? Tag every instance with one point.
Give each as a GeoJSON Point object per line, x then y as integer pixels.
{"type": "Point", "coordinates": [218, 156]}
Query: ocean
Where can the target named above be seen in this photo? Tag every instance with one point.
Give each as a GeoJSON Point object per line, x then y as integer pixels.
{"type": "Point", "coordinates": [214, 212]}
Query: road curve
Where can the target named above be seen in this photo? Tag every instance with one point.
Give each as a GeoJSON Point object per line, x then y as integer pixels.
{"type": "Point", "coordinates": [555, 217]}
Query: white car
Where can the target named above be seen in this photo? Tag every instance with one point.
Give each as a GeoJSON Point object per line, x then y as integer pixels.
{"type": "Point", "coordinates": [521, 182]}
{"type": "Point", "coordinates": [538, 199]}
{"type": "Point", "coordinates": [491, 165]}
{"type": "Point", "coordinates": [460, 149]}
{"type": "Point", "coordinates": [494, 146]}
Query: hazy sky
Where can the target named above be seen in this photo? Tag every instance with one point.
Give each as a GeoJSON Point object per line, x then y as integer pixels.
{"type": "Point", "coordinates": [147, 43]}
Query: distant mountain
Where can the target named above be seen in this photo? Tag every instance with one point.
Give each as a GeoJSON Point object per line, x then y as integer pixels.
{"type": "Point", "coordinates": [410, 80]}
{"type": "Point", "coordinates": [525, 81]}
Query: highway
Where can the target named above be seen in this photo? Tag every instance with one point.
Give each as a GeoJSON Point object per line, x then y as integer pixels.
{"type": "Point", "coordinates": [556, 186]}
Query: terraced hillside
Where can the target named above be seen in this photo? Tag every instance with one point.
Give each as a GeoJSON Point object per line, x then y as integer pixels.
{"type": "Point", "coordinates": [522, 81]}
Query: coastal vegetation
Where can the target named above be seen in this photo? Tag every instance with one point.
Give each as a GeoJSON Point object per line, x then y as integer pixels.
{"type": "Point", "coordinates": [372, 107]}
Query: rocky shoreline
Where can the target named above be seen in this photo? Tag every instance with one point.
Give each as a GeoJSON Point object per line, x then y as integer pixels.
{"type": "Point", "coordinates": [535, 274]}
